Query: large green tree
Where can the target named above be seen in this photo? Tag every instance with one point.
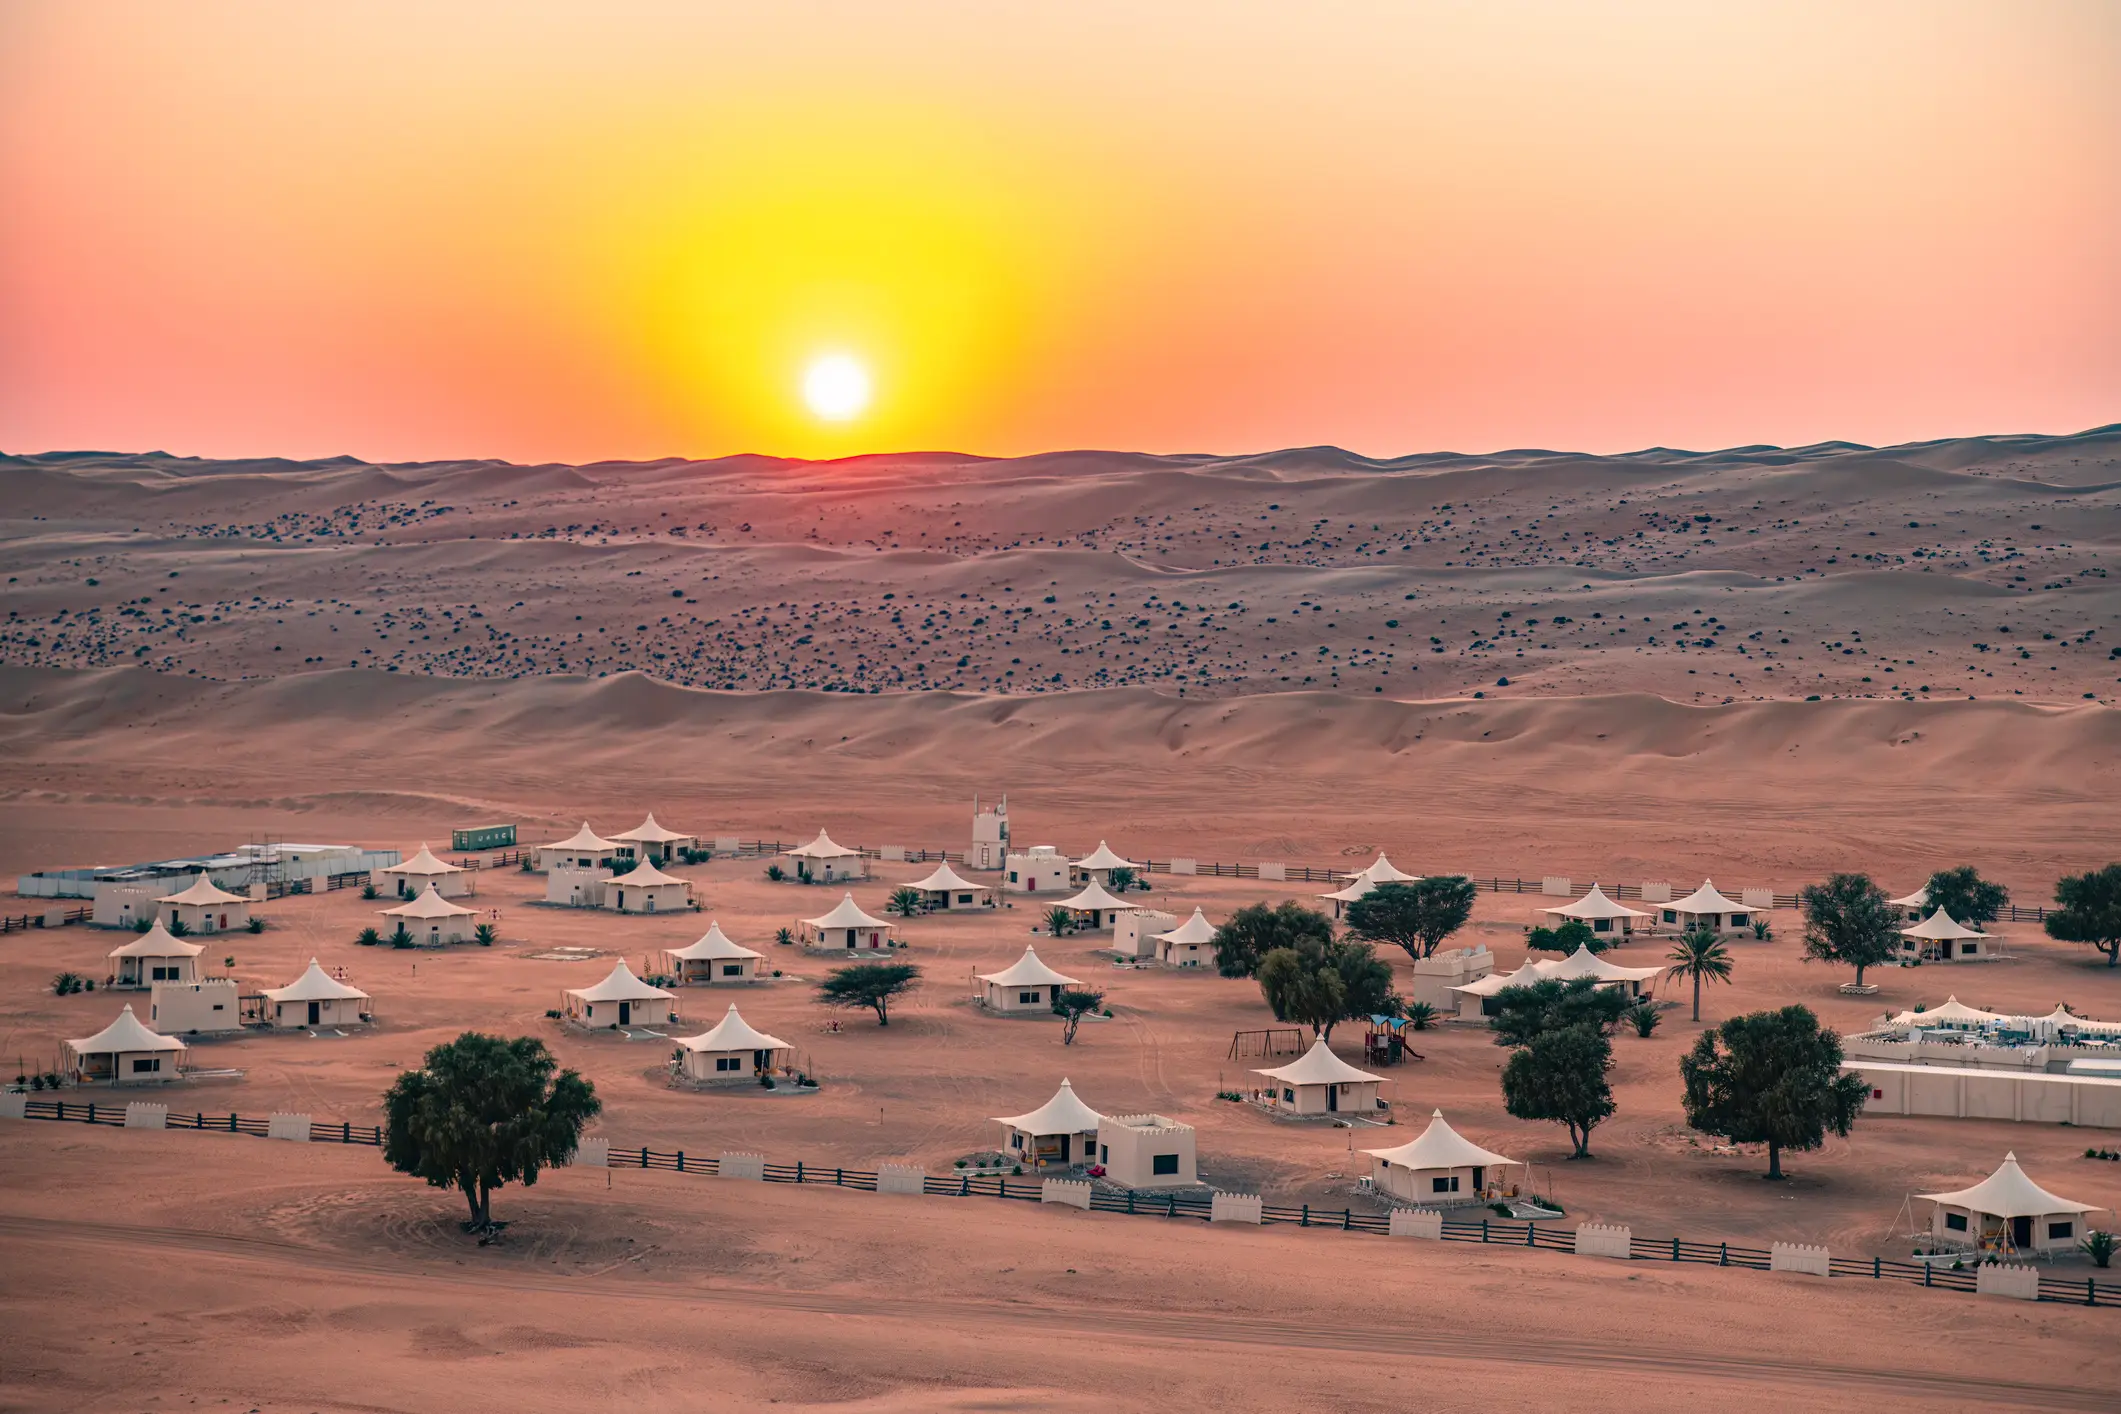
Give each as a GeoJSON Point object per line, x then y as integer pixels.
{"type": "Point", "coordinates": [1248, 935]}
{"type": "Point", "coordinates": [1571, 935]}
{"type": "Point", "coordinates": [1849, 920]}
{"type": "Point", "coordinates": [1416, 916]}
{"type": "Point", "coordinates": [1071, 1005]}
{"type": "Point", "coordinates": [1523, 1014]}
{"type": "Point", "coordinates": [1321, 984]}
{"type": "Point", "coordinates": [869, 986]}
{"type": "Point", "coordinates": [1773, 1078]}
{"type": "Point", "coordinates": [1965, 896]}
{"type": "Point", "coordinates": [482, 1112]}
{"type": "Point", "coordinates": [1561, 1076]}
{"type": "Point", "coordinates": [1699, 956]}
{"type": "Point", "coordinates": [2088, 910]}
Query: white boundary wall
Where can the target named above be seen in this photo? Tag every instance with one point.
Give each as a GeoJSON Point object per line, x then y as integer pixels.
{"type": "Point", "coordinates": [1073, 1192]}
{"type": "Point", "coordinates": [1185, 866]}
{"type": "Point", "coordinates": [290, 1127]}
{"type": "Point", "coordinates": [751, 1167]}
{"type": "Point", "coordinates": [14, 1104]}
{"type": "Point", "coordinates": [1798, 1257]}
{"type": "Point", "coordinates": [1601, 1240]}
{"type": "Point", "coordinates": [901, 1178]}
{"type": "Point", "coordinates": [1410, 1222]}
{"type": "Point", "coordinates": [1235, 1208]}
{"type": "Point", "coordinates": [1554, 886]}
{"type": "Point", "coordinates": [2003, 1279]}
{"type": "Point", "coordinates": [146, 1114]}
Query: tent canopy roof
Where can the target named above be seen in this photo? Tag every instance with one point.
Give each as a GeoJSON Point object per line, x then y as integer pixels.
{"type": "Point", "coordinates": [1488, 986]}
{"type": "Point", "coordinates": [1953, 1011]}
{"type": "Point", "coordinates": [1063, 1114]}
{"type": "Point", "coordinates": [1920, 898]}
{"type": "Point", "coordinates": [943, 880]}
{"type": "Point", "coordinates": [124, 1034]}
{"type": "Point", "coordinates": [648, 832]}
{"type": "Point", "coordinates": [1440, 1147]}
{"type": "Point", "coordinates": [847, 914]}
{"type": "Point", "coordinates": [1585, 963]}
{"type": "Point", "coordinates": [1595, 905]}
{"type": "Point", "coordinates": [1381, 871]}
{"type": "Point", "coordinates": [423, 863]}
{"type": "Point", "coordinates": [1103, 858]}
{"type": "Point", "coordinates": [733, 1033]}
{"type": "Point", "coordinates": [1351, 891]}
{"type": "Point", "coordinates": [645, 876]}
{"type": "Point", "coordinates": [713, 943]}
{"type": "Point", "coordinates": [1191, 933]}
{"type": "Point", "coordinates": [428, 904]}
{"type": "Point", "coordinates": [620, 986]}
{"type": "Point", "coordinates": [823, 847]}
{"type": "Point", "coordinates": [1940, 925]}
{"type": "Point", "coordinates": [157, 941]}
{"type": "Point", "coordinates": [1028, 971]}
{"type": "Point", "coordinates": [202, 891]}
{"type": "Point", "coordinates": [2008, 1193]}
{"type": "Point", "coordinates": [584, 838]}
{"type": "Point", "coordinates": [1317, 1066]}
{"type": "Point", "coordinates": [315, 985]}
{"type": "Point", "coordinates": [1706, 900]}
{"type": "Point", "coordinates": [1094, 895]}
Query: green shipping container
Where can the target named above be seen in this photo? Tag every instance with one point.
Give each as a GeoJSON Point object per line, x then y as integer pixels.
{"type": "Point", "coordinates": [483, 837]}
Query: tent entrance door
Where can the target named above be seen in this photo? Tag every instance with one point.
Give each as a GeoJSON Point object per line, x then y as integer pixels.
{"type": "Point", "coordinates": [625, 1013]}
{"type": "Point", "coordinates": [2022, 1233]}
{"type": "Point", "coordinates": [1332, 1099]}
{"type": "Point", "coordinates": [316, 1010]}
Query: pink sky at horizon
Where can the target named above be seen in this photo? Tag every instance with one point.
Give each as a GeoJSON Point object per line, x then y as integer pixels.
{"type": "Point", "coordinates": [537, 233]}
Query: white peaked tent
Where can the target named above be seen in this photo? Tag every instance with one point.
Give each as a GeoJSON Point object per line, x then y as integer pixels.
{"type": "Point", "coordinates": [1188, 944]}
{"type": "Point", "coordinates": [1099, 863]}
{"type": "Point", "coordinates": [1473, 996]}
{"type": "Point", "coordinates": [827, 860]}
{"type": "Point", "coordinates": [946, 889]}
{"type": "Point", "coordinates": [1382, 871]}
{"type": "Point", "coordinates": [730, 1050]}
{"type": "Point", "coordinates": [434, 920]}
{"type": "Point", "coordinates": [649, 840]}
{"type": "Point", "coordinates": [2007, 1212]}
{"type": "Point", "coordinates": [1946, 937]}
{"type": "Point", "coordinates": [584, 849]}
{"type": "Point", "coordinates": [2063, 1019]}
{"type": "Point", "coordinates": [1341, 897]}
{"type": "Point", "coordinates": [1095, 905]}
{"type": "Point", "coordinates": [1319, 1082]}
{"type": "Point", "coordinates": [1025, 985]}
{"type": "Point", "coordinates": [1438, 1168]}
{"type": "Point", "coordinates": [316, 998]}
{"type": "Point", "coordinates": [847, 929]}
{"type": "Point", "coordinates": [621, 999]}
{"type": "Point", "coordinates": [713, 958]}
{"type": "Point", "coordinates": [203, 907]}
{"type": "Point", "coordinates": [423, 871]}
{"type": "Point", "coordinates": [1062, 1131]}
{"type": "Point", "coordinates": [647, 889]}
{"type": "Point", "coordinates": [1585, 963]}
{"type": "Point", "coordinates": [1706, 908]}
{"type": "Point", "coordinates": [155, 956]}
{"type": "Point", "coordinates": [125, 1053]}
{"type": "Point", "coordinates": [1601, 913]}
{"type": "Point", "coordinates": [1916, 905]}
{"type": "Point", "coordinates": [1953, 1013]}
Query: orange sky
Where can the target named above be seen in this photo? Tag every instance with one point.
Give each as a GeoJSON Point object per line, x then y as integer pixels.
{"type": "Point", "coordinates": [576, 232]}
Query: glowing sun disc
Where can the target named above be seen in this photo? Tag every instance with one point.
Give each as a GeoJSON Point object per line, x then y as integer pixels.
{"type": "Point", "coordinates": [836, 387]}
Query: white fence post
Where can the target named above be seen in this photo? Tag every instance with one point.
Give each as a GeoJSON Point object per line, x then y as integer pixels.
{"type": "Point", "coordinates": [1554, 886]}
{"type": "Point", "coordinates": [146, 1114]}
{"type": "Point", "coordinates": [593, 1154]}
{"type": "Point", "coordinates": [294, 1128]}
{"type": "Point", "coordinates": [1759, 900]}
{"type": "Point", "coordinates": [2004, 1279]}
{"type": "Point", "coordinates": [1414, 1222]}
{"type": "Point", "coordinates": [1185, 866]}
{"type": "Point", "coordinates": [1603, 1240]}
{"type": "Point", "coordinates": [1235, 1208]}
{"type": "Point", "coordinates": [14, 1104]}
{"type": "Point", "coordinates": [1073, 1192]}
{"type": "Point", "coordinates": [892, 853]}
{"type": "Point", "coordinates": [1798, 1257]}
{"type": "Point", "coordinates": [1656, 893]}
{"type": "Point", "coordinates": [1274, 873]}
{"type": "Point", "coordinates": [745, 1166]}
{"type": "Point", "coordinates": [901, 1178]}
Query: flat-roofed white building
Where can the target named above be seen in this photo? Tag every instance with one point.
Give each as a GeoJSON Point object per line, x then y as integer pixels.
{"type": "Point", "coordinates": [946, 891]}
{"type": "Point", "coordinates": [416, 875]}
{"type": "Point", "coordinates": [125, 1053]}
{"type": "Point", "coordinates": [826, 861]}
{"type": "Point", "coordinates": [650, 842]}
{"type": "Point", "coordinates": [584, 849]}
{"type": "Point", "coordinates": [1147, 1151]}
{"type": "Point", "coordinates": [1438, 1168]}
{"type": "Point", "coordinates": [575, 887]}
{"type": "Point", "coordinates": [1040, 870]}
{"type": "Point", "coordinates": [1058, 1134]}
{"type": "Point", "coordinates": [433, 920]}
{"type": "Point", "coordinates": [203, 907]}
{"type": "Point", "coordinates": [1319, 1083]}
{"type": "Point", "coordinates": [732, 1051]}
{"type": "Point", "coordinates": [647, 889]}
{"type": "Point", "coordinates": [2007, 1214]}
{"type": "Point", "coordinates": [620, 999]}
{"type": "Point", "coordinates": [316, 998]}
{"type": "Point", "coordinates": [154, 956]}
{"type": "Point", "coordinates": [1601, 914]}
{"type": "Point", "coordinates": [1026, 985]}
{"type": "Point", "coordinates": [1706, 909]}
{"type": "Point", "coordinates": [713, 958]}
{"type": "Point", "coordinates": [847, 929]}
{"type": "Point", "coordinates": [1438, 976]}
{"type": "Point", "coordinates": [1942, 938]}
{"type": "Point", "coordinates": [204, 1008]}
{"type": "Point", "coordinates": [1134, 932]}
{"type": "Point", "coordinates": [1190, 944]}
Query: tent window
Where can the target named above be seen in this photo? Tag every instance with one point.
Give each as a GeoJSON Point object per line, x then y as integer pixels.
{"type": "Point", "coordinates": [2061, 1232]}
{"type": "Point", "coordinates": [1956, 1222]}
{"type": "Point", "coordinates": [727, 1063]}
{"type": "Point", "coordinates": [1288, 1096]}
{"type": "Point", "coordinates": [1027, 998]}
{"type": "Point", "coordinates": [146, 1065]}
{"type": "Point", "coordinates": [1444, 1185]}
{"type": "Point", "coordinates": [1163, 1163]}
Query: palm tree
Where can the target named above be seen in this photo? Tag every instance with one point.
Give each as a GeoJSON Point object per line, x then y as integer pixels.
{"type": "Point", "coordinates": [1700, 955]}
{"type": "Point", "coordinates": [485, 935]}
{"type": "Point", "coordinates": [1059, 921]}
{"type": "Point", "coordinates": [905, 902]}
{"type": "Point", "coordinates": [368, 937]}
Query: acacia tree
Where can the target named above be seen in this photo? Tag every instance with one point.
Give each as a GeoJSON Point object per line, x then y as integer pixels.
{"type": "Point", "coordinates": [1248, 935]}
{"type": "Point", "coordinates": [1849, 920]}
{"type": "Point", "coordinates": [1320, 985]}
{"type": "Point", "coordinates": [482, 1112]}
{"type": "Point", "coordinates": [1571, 935]}
{"type": "Point", "coordinates": [1700, 956]}
{"type": "Point", "coordinates": [1773, 1078]}
{"type": "Point", "coordinates": [1416, 916]}
{"type": "Point", "coordinates": [870, 986]}
{"type": "Point", "coordinates": [1965, 896]}
{"type": "Point", "coordinates": [2089, 911]}
{"type": "Point", "coordinates": [1523, 1014]}
{"type": "Point", "coordinates": [1071, 1005]}
{"type": "Point", "coordinates": [1562, 1076]}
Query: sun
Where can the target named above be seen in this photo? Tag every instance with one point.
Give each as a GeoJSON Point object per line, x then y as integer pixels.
{"type": "Point", "coordinates": [836, 387]}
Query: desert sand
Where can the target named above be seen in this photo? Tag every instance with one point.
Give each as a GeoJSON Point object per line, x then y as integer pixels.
{"type": "Point", "coordinates": [286, 1278]}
